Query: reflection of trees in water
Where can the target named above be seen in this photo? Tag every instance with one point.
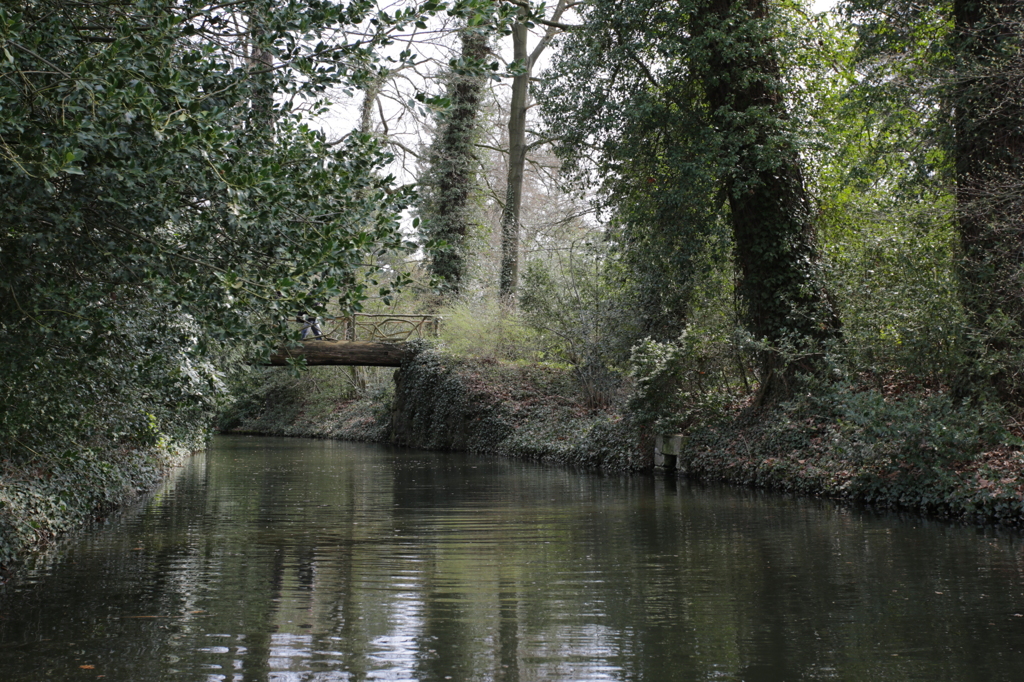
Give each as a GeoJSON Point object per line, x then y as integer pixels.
{"type": "Point", "coordinates": [320, 556]}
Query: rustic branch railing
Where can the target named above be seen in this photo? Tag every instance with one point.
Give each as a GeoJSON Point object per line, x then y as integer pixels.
{"type": "Point", "coordinates": [382, 328]}
{"type": "Point", "coordinates": [390, 328]}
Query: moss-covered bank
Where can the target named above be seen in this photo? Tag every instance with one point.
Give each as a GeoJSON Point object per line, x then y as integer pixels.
{"type": "Point", "coordinates": [908, 449]}
{"type": "Point", "coordinates": [51, 496]}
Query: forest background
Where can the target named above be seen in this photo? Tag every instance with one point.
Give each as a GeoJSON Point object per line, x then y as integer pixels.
{"type": "Point", "coordinates": [699, 212]}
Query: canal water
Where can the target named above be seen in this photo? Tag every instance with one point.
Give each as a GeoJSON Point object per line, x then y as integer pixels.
{"type": "Point", "coordinates": [285, 559]}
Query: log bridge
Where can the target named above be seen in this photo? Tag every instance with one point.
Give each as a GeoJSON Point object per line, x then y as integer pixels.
{"type": "Point", "coordinates": [355, 353]}
{"type": "Point", "coordinates": [366, 340]}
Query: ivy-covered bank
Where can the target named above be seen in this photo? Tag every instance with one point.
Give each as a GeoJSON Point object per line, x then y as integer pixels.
{"type": "Point", "coordinates": [48, 497]}
{"type": "Point", "coordinates": [898, 447]}
{"type": "Point", "coordinates": [917, 452]}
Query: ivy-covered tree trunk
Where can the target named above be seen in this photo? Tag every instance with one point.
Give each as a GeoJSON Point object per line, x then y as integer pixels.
{"type": "Point", "coordinates": [371, 91]}
{"type": "Point", "coordinates": [446, 213]}
{"type": "Point", "coordinates": [784, 300]}
{"type": "Point", "coordinates": [988, 101]}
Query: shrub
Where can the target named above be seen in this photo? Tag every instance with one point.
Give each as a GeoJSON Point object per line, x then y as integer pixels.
{"type": "Point", "coordinates": [482, 329]}
{"type": "Point", "coordinates": [694, 379]}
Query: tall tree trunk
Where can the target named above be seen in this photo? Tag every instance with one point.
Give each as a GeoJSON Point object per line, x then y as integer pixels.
{"type": "Point", "coordinates": [510, 214]}
{"type": "Point", "coordinates": [773, 230]}
{"type": "Point", "coordinates": [988, 102]}
{"type": "Point", "coordinates": [516, 167]}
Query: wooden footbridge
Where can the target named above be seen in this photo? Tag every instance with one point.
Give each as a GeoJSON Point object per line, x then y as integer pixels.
{"type": "Point", "coordinates": [363, 339]}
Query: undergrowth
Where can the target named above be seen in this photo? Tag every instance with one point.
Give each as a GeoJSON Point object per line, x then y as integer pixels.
{"type": "Point", "coordinates": [535, 412]}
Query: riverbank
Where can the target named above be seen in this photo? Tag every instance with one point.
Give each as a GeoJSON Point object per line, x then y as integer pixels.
{"type": "Point", "coordinates": [901, 446]}
{"type": "Point", "coordinates": [916, 452]}
{"type": "Point", "coordinates": [50, 497]}
{"type": "Point", "coordinates": [533, 412]}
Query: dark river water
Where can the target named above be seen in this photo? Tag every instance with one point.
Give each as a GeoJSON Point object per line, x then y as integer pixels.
{"type": "Point", "coordinates": [275, 559]}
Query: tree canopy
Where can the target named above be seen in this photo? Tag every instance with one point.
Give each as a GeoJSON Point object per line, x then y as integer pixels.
{"type": "Point", "coordinates": [161, 209]}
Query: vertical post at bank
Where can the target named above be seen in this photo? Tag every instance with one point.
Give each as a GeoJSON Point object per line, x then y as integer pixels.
{"type": "Point", "coordinates": [666, 452]}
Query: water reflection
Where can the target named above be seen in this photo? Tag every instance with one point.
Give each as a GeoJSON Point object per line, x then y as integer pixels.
{"type": "Point", "coordinates": [273, 559]}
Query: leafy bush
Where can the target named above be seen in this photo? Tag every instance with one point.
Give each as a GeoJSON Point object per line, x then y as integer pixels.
{"type": "Point", "coordinates": [927, 429]}
{"type": "Point", "coordinates": [894, 279]}
{"type": "Point", "coordinates": [693, 380]}
{"type": "Point", "coordinates": [580, 318]}
{"type": "Point", "coordinates": [565, 297]}
{"type": "Point", "coordinates": [483, 329]}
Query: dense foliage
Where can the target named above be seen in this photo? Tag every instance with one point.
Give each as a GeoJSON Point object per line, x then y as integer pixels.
{"type": "Point", "coordinates": [155, 217]}
{"type": "Point", "coordinates": [693, 130]}
{"type": "Point", "coordinates": [168, 208]}
{"type": "Point", "coordinates": [945, 79]}
{"type": "Point", "coordinates": [644, 138]}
